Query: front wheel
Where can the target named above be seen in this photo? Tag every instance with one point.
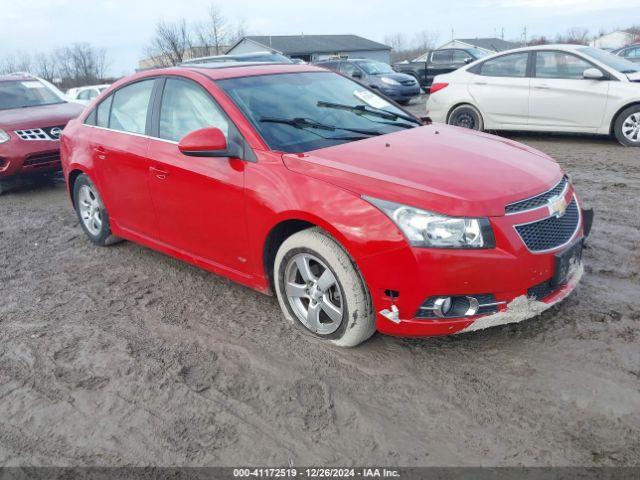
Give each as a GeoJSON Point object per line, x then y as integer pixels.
{"type": "Point", "coordinates": [320, 289]}
{"type": "Point", "coordinates": [627, 127]}
{"type": "Point", "coordinates": [466, 116]}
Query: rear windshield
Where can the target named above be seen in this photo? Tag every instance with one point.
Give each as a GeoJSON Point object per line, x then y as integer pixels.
{"type": "Point", "coordinates": [613, 61]}
{"type": "Point", "coordinates": [25, 93]}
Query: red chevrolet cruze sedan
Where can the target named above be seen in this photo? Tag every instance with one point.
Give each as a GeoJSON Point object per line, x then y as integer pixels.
{"type": "Point", "coordinates": [299, 181]}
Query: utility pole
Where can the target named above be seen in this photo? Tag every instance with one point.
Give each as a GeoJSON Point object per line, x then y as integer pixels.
{"type": "Point", "coordinates": [524, 35]}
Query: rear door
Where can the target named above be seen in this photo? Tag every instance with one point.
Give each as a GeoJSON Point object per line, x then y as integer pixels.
{"type": "Point", "coordinates": [500, 87]}
{"type": "Point", "coordinates": [199, 201]}
{"type": "Point", "coordinates": [560, 96]}
{"type": "Point", "coordinates": [119, 148]}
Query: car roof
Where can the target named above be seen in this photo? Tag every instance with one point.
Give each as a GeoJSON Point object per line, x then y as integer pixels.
{"type": "Point", "coordinates": [223, 70]}
{"type": "Point", "coordinates": [16, 76]}
{"type": "Point", "coordinates": [552, 46]}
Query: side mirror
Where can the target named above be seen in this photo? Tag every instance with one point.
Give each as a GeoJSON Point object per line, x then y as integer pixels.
{"type": "Point", "coordinates": [592, 74]}
{"type": "Point", "coordinates": [468, 60]}
{"type": "Point", "coordinates": [205, 142]}
{"type": "Point", "coordinates": [357, 74]}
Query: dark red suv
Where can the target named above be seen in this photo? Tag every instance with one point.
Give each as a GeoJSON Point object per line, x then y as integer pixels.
{"type": "Point", "coordinates": [32, 116]}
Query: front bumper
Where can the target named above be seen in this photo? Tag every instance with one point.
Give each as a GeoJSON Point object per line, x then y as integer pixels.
{"type": "Point", "coordinates": [401, 280]}
{"type": "Point", "coordinates": [401, 92]}
{"type": "Point", "coordinates": [18, 157]}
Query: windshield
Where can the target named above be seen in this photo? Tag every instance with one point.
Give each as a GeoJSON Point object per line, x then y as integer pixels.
{"type": "Point", "coordinates": [25, 93]}
{"type": "Point", "coordinates": [617, 63]}
{"type": "Point", "coordinates": [374, 68]}
{"type": "Point", "coordinates": [299, 112]}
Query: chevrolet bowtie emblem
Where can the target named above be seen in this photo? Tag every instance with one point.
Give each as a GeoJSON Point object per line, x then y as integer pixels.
{"type": "Point", "coordinates": [557, 206]}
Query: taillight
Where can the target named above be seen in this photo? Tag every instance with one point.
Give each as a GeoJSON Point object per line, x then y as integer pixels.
{"type": "Point", "coordinates": [437, 86]}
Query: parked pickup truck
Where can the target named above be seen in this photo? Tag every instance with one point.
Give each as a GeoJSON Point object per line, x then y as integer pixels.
{"type": "Point", "coordinates": [438, 62]}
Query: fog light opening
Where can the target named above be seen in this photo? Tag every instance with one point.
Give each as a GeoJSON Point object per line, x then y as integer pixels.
{"type": "Point", "coordinates": [442, 306]}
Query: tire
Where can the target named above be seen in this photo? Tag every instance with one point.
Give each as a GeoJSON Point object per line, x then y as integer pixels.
{"type": "Point", "coordinates": [466, 116]}
{"type": "Point", "coordinates": [342, 288]}
{"type": "Point", "coordinates": [627, 127]}
{"type": "Point", "coordinates": [91, 212]}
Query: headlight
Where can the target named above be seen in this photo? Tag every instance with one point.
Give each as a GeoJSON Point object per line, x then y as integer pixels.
{"type": "Point", "coordinates": [389, 81]}
{"type": "Point", "coordinates": [4, 136]}
{"type": "Point", "coordinates": [428, 229]}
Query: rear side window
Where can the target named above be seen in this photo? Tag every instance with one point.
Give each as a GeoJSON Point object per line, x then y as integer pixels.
{"type": "Point", "coordinates": [560, 65]}
{"type": "Point", "coordinates": [513, 65]}
{"type": "Point", "coordinates": [102, 112]}
{"type": "Point", "coordinates": [187, 107]}
{"type": "Point", "coordinates": [130, 106]}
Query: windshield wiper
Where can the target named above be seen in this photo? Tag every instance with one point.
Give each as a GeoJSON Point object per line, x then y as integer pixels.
{"type": "Point", "coordinates": [369, 110]}
{"type": "Point", "coordinates": [303, 123]}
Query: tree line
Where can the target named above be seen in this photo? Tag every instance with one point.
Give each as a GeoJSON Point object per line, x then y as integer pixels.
{"type": "Point", "coordinates": [177, 41]}
{"type": "Point", "coordinates": [71, 66]}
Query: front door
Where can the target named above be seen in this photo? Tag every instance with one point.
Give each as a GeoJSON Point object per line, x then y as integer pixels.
{"type": "Point", "coordinates": [560, 96]}
{"type": "Point", "coordinates": [199, 201]}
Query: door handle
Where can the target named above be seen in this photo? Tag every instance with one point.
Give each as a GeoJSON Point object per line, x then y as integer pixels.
{"type": "Point", "coordinates": [542, 87]}
{"type": "Point", "coordinates": [101, 152]}
{"type": "Point", "coordinates": [160, 174]}
{"type": "Point", "coordinates": [481, 83]}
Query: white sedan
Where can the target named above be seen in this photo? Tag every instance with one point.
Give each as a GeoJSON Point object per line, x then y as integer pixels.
{"type": "Point", "coordinates": [84, 95]}
{"type": "Point", "coordinates": [551, 88]}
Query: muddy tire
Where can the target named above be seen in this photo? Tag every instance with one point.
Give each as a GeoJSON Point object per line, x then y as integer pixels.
{"type": "Point", "coordinates": [91, 212]}
{"type": "Point", "coordinates": [627, 127]}
{"type": "Point", "coordinates": [466, 116]}
{"type": "Point", "coordinates": [320, 289]}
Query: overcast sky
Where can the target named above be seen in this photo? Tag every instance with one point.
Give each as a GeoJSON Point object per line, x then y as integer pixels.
{"type": "Point", "coordinates": [123, 27]}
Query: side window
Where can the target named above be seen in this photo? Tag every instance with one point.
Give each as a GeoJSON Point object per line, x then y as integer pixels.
{"type": "Point", "coordinates": [442, 56]}
{"type": "Point", "coordinates": [560, 65]}
{"type": "Point", "coordinates": [84, 95]}
{"type": "Point", "coordinates": [102, 118]}
{"type": "Point", "coordinates": [91, 118]}
{"type": "Point", "coordinates": [460, 56]}
{"type": "Point", "coordinates": [130, 105]}
{"type": "Point", "coordinates": [513, 65]}
{"type": "Point", "coordinates": [633, 52]}
{"type": "Point", "coordinates": [187, 107]}
{"type": "Point", "coordinates": [93, 93]}
{"type": "Point", "coordinates": [348, 69]}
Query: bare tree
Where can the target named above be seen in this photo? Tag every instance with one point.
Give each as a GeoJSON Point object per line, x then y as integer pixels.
{"type": "Point", "coordinates": [396, 41]}
{"type": "Point", "coordinates": [539, 40]}
{"type": "Point", "coordinates": [45, 66]}
{"type": "Point", "coordinates": [213, 33]}
{"type": "Point", "coordinates": [20, 62]}
{"type": "Point", "coordinates": [81, 62]}
{"type": "Point", "coordinates": [426, 40]}
{"type": "Point", "coordinates": [575, 35]}
{"type": "Point", "coordinates": [170, 44]}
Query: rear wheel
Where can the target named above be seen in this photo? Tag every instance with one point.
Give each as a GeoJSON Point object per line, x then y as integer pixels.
{"type": "Point", "coordinates": [627, 127]}
{"type": "Point", "coordinates": [92, 213]}
{"type": "Point", "coordinates": [320, 290]}
{"type": "Point", "coordinates": [466, 116]}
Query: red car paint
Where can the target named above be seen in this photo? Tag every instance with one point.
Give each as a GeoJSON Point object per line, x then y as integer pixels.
{"type": "Point", "coordinates": [18, 156]}
{"type": "Point", "coordinates": [217, 213]}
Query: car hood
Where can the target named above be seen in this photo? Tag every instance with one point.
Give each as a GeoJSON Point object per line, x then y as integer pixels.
{"type": "Point", "coordinates": [42, 116]}
{"type": "Point", "coordinates": [435, 167]}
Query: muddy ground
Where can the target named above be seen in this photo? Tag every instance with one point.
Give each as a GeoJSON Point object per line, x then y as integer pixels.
{"type": "Point", "coordinates": [124, 356]}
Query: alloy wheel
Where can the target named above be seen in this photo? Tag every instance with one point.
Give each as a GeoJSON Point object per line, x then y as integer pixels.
{"type": "Point", "coordinates": [314, 294]}
{"type": "Point", "coordinates": [90, 209]}
{"type": "Point", "coordinates": [631, 127]}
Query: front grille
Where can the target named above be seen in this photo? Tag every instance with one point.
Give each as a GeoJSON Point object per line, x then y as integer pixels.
{"type": "Point", "coordinates": [551, 232]}
{"type": "Point", "coordinates": [485, 300]}
{"type": "Point", "coordinates": [538, 200]}
{"type": "Point", "coordinates": [41, 158]}
{"type": "Point", "coordinates": [45, 133]}
{"type": "Point", "coordinates": [408, 82]}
